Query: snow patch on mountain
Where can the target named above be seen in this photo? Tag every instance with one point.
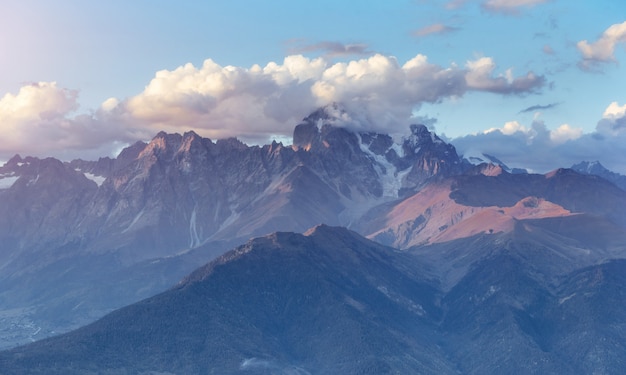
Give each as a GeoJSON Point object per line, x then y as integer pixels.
{"type": "Point", "coordinates": [476, 158]}
{"type": "Point", "coordinates": [398, 149]}
{"type": "Point", "coordinates": [33, 181]}
{"type": "Point", "coordinates": [93, 177]}
{"type": "Point", "coordinates": [7, 181]}
{"type": "Point", "coordinates": [390, 177]}
{"type": "Point", "coordinates": [592, 166]}
{"type": "Point", "coordinates": [97, 179]}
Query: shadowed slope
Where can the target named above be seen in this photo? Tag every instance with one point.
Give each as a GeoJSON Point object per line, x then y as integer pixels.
{"type": "Point", "coordinates": [326, 302]}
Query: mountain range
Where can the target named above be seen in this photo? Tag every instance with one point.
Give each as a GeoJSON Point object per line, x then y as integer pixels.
{"type": "Point", "coordinates": [442, 258]}
{"type": "Point", "coordinates": [331, 301]}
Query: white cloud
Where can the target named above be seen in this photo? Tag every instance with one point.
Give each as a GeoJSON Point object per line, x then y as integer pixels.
{"type": "Point", "coordinates": [509, 6]}
{"type": "Point", "coordinates": [480, 77]}
{"type": "Point", "coordinates": [613, 120]}
{"type": "Point", "coordinates": [35, 102]}
{"type": "Point", "coordinates": [39, 120]}
{"type": "Point", "coordinates": [509, 128]}
{"type": "Point", "coordinates": [540, 149]}
{"type": "Point", "coordinates": [109, 104]}
{"type": "Point", "coordinates": [565, 133]}
{"type": "Point", "coordinates": [560, 135]}
{"type": "Point", "coordinates": [603, 49]}
{"type": "Point", "coordinates": [614, 111]}
{"type": "Point", "coordinates": [257, 102]}
{"type": "Point", "coordinates": [253, 103]}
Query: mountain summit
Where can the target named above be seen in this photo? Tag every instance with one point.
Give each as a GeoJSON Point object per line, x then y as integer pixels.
{"type": "Point", "coordinates": [597, 169]}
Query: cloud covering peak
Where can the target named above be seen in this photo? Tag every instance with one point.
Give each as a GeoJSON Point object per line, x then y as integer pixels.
{"type": "Point", "coordinates": [261, 101]}
{"type": "Point", "coordinates": [40, 120]}
{"type": "Point", "coordinates": [255, 103]}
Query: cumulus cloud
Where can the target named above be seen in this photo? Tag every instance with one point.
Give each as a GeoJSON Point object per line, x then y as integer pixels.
{"type": "Point", "coordinates": [509, 128]}
{"type": "Point", "coordinates": [434, 29]}
{"type": "Point", "coordinates": [40, 120]}
{"type": "Point", "coordinates": [258, 102]}
{"type": "Point", "coordinates": [509, 6]}
{"type": "Point", "coordinates": [541, 149]}
{"type": "Point", "coordinates": [603, 49]}
{"type": "Point", "coordinates": [613, 120]}
{"type": "Point", "coordinates": [565, 133]}
{"type": "Point", "coordinates": [254, 104]}
{"type": "Point", "coordinates": [480, 77]}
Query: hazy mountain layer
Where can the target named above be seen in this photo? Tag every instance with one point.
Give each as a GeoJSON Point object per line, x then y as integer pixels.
{"type": "Point", "coordinates": [332, 302]}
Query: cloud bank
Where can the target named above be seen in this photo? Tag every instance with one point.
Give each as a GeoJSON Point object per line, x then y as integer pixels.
{"type": "Point", "coordinates": [540, 149]}
{"type": "Point", "coordinates": [254, 103]}
{"type": "Point", "coordinates": [40, 120]}
{"type": "Point", "coordinates": [261, 101]}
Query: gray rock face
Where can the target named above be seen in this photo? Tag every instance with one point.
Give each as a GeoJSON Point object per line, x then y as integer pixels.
{"type": "Point", "coordinates": [429, 156]}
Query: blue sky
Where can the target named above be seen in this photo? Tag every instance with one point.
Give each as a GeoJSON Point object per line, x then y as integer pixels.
{"type": "Point", "coordinates": [507, 77]}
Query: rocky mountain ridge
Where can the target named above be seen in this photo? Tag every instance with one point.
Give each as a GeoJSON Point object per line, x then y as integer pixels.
{"type": "Point", "coordinates": [330, 301]}
{"type": "Point", "coordinates": [197, 190]}
{"type": "Point", "coordinates": [597, 169]}
{"type": "Point", "coordinates": [79, 239]}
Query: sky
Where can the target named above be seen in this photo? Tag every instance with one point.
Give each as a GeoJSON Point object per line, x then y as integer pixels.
{"type": "Point", "coordinates": [536, 83]}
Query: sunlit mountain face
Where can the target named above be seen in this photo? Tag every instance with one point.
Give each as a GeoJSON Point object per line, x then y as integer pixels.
{"type": "Point", "coordinates": [414, 259]}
